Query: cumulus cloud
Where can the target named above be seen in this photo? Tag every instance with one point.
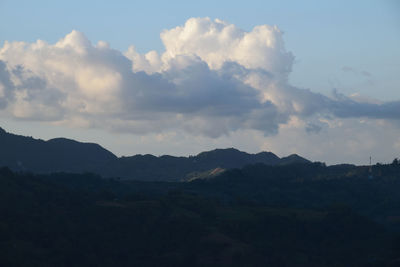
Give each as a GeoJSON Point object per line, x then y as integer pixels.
{"type": "Point", "coordinates": [6, 85]}
{"type": "Point", "coordinates": [212, 79]}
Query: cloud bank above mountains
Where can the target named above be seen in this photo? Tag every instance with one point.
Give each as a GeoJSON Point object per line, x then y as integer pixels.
{"type": "Point", "coordinates": [213, 79]}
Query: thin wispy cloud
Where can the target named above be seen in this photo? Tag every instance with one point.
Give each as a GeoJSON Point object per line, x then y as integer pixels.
{"type": "Point", "coordinates": [356, 72]}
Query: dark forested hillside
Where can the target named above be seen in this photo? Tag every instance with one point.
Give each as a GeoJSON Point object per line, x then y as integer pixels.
{"type": "Point", "coordinates": [289, 215]}
{"type": "Point", "coordinates": [220, 208]}
{"type": "Point", "coordinates": [60, 154]}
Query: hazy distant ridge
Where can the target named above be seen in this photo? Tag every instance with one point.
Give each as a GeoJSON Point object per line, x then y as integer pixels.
{"type": "Point", "coordinates": [61, 154]}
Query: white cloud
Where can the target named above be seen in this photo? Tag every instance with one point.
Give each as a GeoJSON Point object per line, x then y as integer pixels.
{"type": "Point", "coordinates": [100, 84]}
{"type": "Point", "coordinates": [213, 79]}
{"type": "Point", "coordinates": [217, 42]}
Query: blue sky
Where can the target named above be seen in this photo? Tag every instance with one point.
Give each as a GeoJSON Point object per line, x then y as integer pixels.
{"type": "Point", "coordinates": [348, 46]}
{"type": "Point", "coordinates": [324, 36]}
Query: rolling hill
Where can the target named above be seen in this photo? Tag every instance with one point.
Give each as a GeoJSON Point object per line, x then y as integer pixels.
{"type": "Point", "coordinates": [65, 155]}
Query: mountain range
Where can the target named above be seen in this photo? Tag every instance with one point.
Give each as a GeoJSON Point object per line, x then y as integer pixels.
{"type": "Point", "coordinates": [23, 153]}
{"type": "Point", "coordinates": [62, 204]}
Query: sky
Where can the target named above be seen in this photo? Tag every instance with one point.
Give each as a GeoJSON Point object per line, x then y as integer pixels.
{"type": "Point", "coordinates": [316, 78]}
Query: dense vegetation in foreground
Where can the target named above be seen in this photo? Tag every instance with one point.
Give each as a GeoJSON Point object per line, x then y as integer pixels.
{"type": "Point", "coordinates": [297, 215]}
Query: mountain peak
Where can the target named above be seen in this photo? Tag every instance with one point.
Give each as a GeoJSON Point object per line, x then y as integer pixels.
{"type": "Point", "coordinates": [293, 158]}
{"type": "Point", "coordinates": [219, 151]}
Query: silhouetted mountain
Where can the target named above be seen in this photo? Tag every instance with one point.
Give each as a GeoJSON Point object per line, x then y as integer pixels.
{"type": "Point", "coordinates": [233, 158]}
{"type": "Point", "coordinates": [169, 168]}
{"type": "Point", "coordinates": [294, 158]}
{"type": "Point", "coordinates": [61, 154]}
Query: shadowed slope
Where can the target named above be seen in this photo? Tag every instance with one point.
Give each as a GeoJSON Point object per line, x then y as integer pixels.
{"type": "Point", "coordinates": [61, 154]}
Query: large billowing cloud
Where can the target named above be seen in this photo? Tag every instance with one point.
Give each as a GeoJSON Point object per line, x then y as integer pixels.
{"type": "Point", "coordinates": [213, 79]}
{"type": "Point", "coordinates": [75, 82]}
